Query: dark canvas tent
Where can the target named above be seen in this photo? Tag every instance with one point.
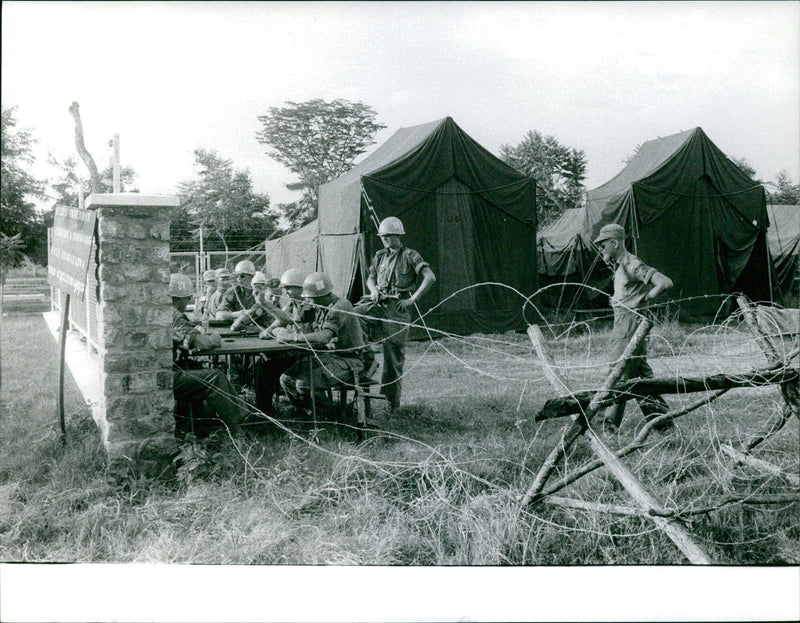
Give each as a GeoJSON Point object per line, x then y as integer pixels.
{"type": "Point", "coordinates": [784, 246]}
{"type": "Point", "coordinates": [471, 216]}
{"type": "Point", "coordinates": [691, 213]}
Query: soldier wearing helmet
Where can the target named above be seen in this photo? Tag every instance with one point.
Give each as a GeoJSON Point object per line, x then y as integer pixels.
{"type": "Point", "coordinates": [224, 282]}
{"type": "Point", "coordinates": [209, 286]}
{"type": "Point", "coordinates": [263, 309]}
{"type": "Point", "coordinates": [635, 284]}
{"type": "Point", "coordinates": [204, 397]}
{"type": "Point", "coordinates": [240, 297]}
{"type": "Point", "coordinates": [295, 316]}
{"type": "Point", "coordinates": [398, 278]}
{"type": "Point", "coordinates": [335, 334]}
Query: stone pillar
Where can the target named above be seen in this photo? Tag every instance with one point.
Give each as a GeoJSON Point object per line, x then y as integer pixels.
{"type": "Point", "coordinates": [135, 317]}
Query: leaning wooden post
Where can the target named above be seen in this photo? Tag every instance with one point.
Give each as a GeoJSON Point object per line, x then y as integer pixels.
{"type": "Point", "coordinates": [673, 528]}
{"type": "Point", "coordinates": [579, 420]}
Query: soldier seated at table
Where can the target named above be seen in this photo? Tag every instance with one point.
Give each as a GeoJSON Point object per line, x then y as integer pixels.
{"type": "Point", "coordinates": [261, 313]}
{"type": "Point", "coordinates": [295, 316]}
{"type": "Point", "coordinates": [335, 335]}
{"type": "Point", "coordinates": [209, 287]}
{"type": "Point", "coordinates": [205, 398]}
{"type": "Point", "coordinates": [240, 297]}
{"type": "Point", "coordinates": [224, 282]}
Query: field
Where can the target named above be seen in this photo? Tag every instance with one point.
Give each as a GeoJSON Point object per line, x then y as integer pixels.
{"type": "Point", "coordinates": [438, 484]}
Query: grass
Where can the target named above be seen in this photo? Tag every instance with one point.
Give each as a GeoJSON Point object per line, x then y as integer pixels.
{"type": "Point", "coordinates": [438, 486]}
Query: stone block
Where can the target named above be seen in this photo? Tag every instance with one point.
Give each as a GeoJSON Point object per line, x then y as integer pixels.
{"type": "Point", "coordinates": [133, 316]}
{"type": "Point", "coordinates": [160, 340]}
{"type": "Point", "coordinates": [164, 379]}
{"type": "Point", "coordinates": [137, 272]}
{"type": "Point", "coordinates": [136, 231]}
{"type": "Point", "coordinates": [160, 316]}
{"type": "Point", "coordinates": [111, 252]}
{"type": "Point", "coordinates": [160, 231]}
{"type": "Point", "coordinates": [162, 252]}
{"type": "Point", "coordinates": [137, 340]}
{"type": "Point", "coordinates": [109, 228]}
{"type": "Point", "coordinates": [108, 314]}
{"type": "Point", "coordinates": [124, 362]}
{"type": "Point", "coordinates": [114, 336]}
{"type": "Point", "coordinates": [111, 274]}
{"type": "Point", "coordinates": [110, 292]}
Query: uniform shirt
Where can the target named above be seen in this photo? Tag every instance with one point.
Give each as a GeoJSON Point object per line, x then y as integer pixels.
{"type": "Point", "coordinates": [302, 315]}
{"type": "Point", "coordinates": [339, 318]}
{"type": "Point", "coordinates": [257, 311]}
{"type": "Point", "coordinates": [181, 329]}
{"type": "Point", "coordinates": [631, 281]}
{"type": "Point", "coordinates": [237, 299]}
{"type": "Point", "coordinates": [200, 311]}
{"type": "Point", "coordinates": [212, 305]}
{"type": "Point", "coordinates": [396, 270]}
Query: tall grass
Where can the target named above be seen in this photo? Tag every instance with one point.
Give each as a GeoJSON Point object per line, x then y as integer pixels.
{"type": "Point", "coordinates": [438, 484]}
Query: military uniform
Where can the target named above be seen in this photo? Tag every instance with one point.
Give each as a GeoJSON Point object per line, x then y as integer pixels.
{"type": "Point", "coordinates": [268, 369]}
{"type": "Point", "coordinates": [194, 387]}
{"type": "Point", "coordinates": [212, 305]}
{"type": "Point", "coordinates": [631, 285]}
{"type": "Point", "coordinates": [331, 367]}
{"type": "Point", "coordinates": [395, 273]}
{"type": "Point", "coordinates": [238, 298]}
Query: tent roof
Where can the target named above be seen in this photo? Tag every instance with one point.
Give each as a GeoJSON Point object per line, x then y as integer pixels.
{"type": "Point", "coordinates": [784, 229]}
{"type": "Point", "coordinates": [561, 232]}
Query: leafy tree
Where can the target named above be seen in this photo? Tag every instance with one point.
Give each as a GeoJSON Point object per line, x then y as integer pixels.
{"type": "Point", "coordinates": [786, 193]}
{"type": "Point", "coordinates": [64, 189]}
{"type": "Point", "coordinates": [746, 168]}
{"type": "Point", "coordinates": [18, 186]}
{"type": "Point", "coordinates": [558, 170]}
{"type": "Point", "coordinates": [317, 140]}
{"type": "Point", "coordinates": [221, 200]}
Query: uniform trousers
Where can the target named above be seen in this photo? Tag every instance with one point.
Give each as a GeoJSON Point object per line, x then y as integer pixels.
{"type": "Point", "coordinates": [267, 371]}
{"type": "Point", "coordinates": [205, 401]}
{"type": "Point", "coordinates": [625, 324]}
{"type": "Point", "coordinates": [392, 336]}
{"type": "Point", "coordinates": [327, 370]}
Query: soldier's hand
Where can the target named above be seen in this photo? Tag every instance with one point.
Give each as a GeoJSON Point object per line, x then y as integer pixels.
{"type": "Point", "coordinates": [404, 304]}
{"type": "Point", "coordinates": [282, 335]}
{"type": "Point", "coordinates": [374, 296]}
{"type": "Point", "coordinates": [266, 334]}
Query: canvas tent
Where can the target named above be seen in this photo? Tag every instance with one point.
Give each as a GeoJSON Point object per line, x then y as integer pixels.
{"type": "Point", "coordinates": [690, 212]}
{"type": "Point", "coordinates": [471, 216]}
{"type": "Point", "coordinates": [784, 246]}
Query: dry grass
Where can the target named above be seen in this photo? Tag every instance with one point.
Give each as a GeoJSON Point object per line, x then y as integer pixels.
{"type": "Point", "coordinates": [438, 486]}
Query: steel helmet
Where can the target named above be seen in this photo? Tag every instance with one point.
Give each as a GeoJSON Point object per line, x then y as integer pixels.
{"type": "Point", "coordinates": [391, 225]}
{"type": "Point", "coordinates": [317, 284]}
{"type": "Point", "coordinates": [245, 267]}
{"type": "Point", "coordinates": [209, 275]}
{"type": "Point", "coordinates": [259, 277]}
{"type": "Point", "coordinates": [222, 273]}
{"type": "Point", "coordinates": [180, 286]}
{"type": "Point", "coordinates": [293, 277]}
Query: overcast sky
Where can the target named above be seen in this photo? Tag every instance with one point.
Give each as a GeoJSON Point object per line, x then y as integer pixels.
{"type": "Point", "coordinates": [602, 77]}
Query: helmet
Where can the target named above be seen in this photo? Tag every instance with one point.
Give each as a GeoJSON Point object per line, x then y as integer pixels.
{"type": "Point", "coordinates": [259, 277]}
{"type": "Point", "coordinates": [180, 286]}
{"type": "Point", "coordinates": [391, 225]}
{"type": "Point", "coordinates": [274, 283]}
{"type": "Point", "coordinates": [317, 284]}
{"type": "Point", "coordinates": [209, 275]}
{"type": "Point", "coordinates": [222, 272]}
{"type": "Point", "coordinates": [245, 267]}
{"type": "Point", "coordinates": [293, 277]}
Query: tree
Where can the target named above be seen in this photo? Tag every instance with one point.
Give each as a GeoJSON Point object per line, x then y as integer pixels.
{"type": "Point", "coordinates": [786, 193]}
{"type": "Point", "coordinates": [18, 186]}
{"type": "Point", "coordinates": [222, 201]}
{"type": "Point", "coordinates": [746, 168]}
{"type": "Point", "coordinates": [558, 170]}
{"type": "Point", "coordinates": [317, 140]}
{"type": "Point", "coordinates": [64, 189]}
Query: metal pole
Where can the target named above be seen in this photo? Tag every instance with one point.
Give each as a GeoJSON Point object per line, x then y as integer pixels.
{"type": "Point", "coordinates": [62, 363]}
{"type": "Point", "coordinates": [115, 141]}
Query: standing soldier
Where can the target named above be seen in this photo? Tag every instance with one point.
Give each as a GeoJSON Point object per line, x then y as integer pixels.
{"type": "Point", "coordinates": [239, 297]}
{"type": "Point", "coordinates": [197, 389]}
{"type": "Point", "coordinates": [337, 333]}
{"type": "Point", "coordinates": [393, 277]}
{"type": "Point", "coordinates": [635, 284]}
{"type": "Point", "coordinates": [223, 276]}
{"type": "Point", "coordinates": [209, 283]}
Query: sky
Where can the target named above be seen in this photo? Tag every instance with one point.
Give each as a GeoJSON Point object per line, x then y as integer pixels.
{"type": "Point", "coordinates": [604, 77]}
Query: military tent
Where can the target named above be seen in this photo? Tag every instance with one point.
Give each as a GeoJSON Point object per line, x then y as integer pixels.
{"type": "Point", "coordinates": [783, 236]}
{"type": "Point", "coordinates": [691, 213]}
{"type": "Point", "coordinates": [471, 216]}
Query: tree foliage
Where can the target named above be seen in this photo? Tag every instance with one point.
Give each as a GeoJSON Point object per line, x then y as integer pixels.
{"type": "Point", "coordinates": [221, 200]}
{"type": "Point", "coordinates": [558, 170]}
{"type": "Point", "coordinates": [746, 168]}
{"type": "Point", "coordinates": [785, 192]}
{"type": "Point", "coordinates": [64, 188]}
{"type": "Point", "coordinates": [18, 186]}
{"type": "Point", "coordinates": [318, 141]}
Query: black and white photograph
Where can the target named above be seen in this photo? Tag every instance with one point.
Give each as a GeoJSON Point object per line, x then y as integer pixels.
{"type": "Point", "coordinates": [400, 311]}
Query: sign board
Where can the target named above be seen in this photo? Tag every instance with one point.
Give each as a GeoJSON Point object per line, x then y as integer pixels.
{"type": "Point", "coordinates": [70, 249]}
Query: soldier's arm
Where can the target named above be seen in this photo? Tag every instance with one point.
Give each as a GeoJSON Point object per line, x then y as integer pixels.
{"type": "Point", "coordinates": [660, 283]}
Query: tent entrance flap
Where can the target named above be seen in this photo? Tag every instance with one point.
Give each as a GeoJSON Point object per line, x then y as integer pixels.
{"type": "Point", "coordinates": [456, 237]}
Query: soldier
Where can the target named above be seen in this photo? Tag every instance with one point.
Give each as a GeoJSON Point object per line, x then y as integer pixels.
{"type": "Point", "coordinates": [296, 316]}
{"type": "Point", "coordinates": [261, 312]}
{"type": "Point", "coordinates": [393, 291]}
{"type": "Point", "coordinates": [240, 297]}
{"type": "Point", "coordinates": [336, 333]}
{"type": "Point", "coordinates": [192, 387]}
{"type": "Point", "coordinates": [223, 284]}
{"type": "Point", "coordinates": [209, 284]}
{"type": "Point", "coordinates": [635, 284]}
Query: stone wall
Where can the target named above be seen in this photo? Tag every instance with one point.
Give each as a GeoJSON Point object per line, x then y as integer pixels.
{"type": "Point", "coordinates": [135, 317]}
